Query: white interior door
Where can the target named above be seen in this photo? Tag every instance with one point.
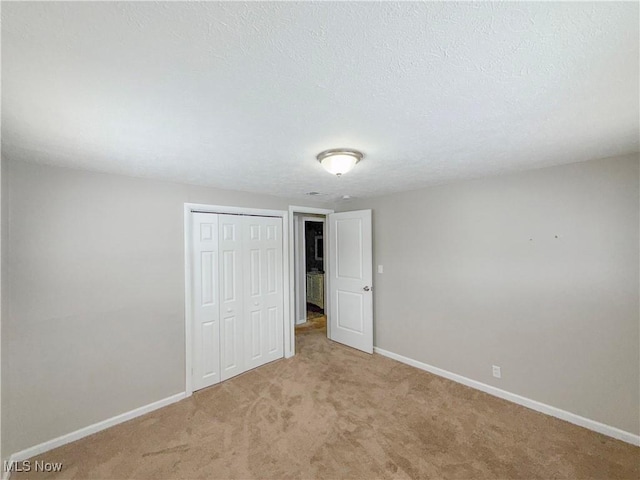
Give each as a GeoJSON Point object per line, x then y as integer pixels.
{"type": "Point", "coordinates": [350, 279]}
{"type": "Point", "coordinates": [206, 312]}
{"type": "Point", "coordinates": [263, 293]}
{"type": "Point", "coordinates": [231, 290]}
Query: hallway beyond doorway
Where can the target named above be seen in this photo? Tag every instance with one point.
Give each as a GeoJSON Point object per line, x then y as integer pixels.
{"type": "Point", "coordinates": [316, 321]}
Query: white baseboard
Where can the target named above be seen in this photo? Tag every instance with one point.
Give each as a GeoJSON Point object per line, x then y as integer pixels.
{"type": "Point", "coordinates": [512, 397]}
{"type": "Point", "coordinates": [91, 429]}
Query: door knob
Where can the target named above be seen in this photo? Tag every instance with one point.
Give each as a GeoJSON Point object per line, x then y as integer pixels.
{"type": "Point", "coordinates": [256, 304]}
{"type": "Point", "coordinates": [366, 289]}
{"type": "Point", "coordinates": [229, 310]}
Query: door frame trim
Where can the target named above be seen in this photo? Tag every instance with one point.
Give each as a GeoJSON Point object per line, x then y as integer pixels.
{"type": "Point", "coordinates": [290, 333]}
{"type": "Point", "coordinates": [188, 287]}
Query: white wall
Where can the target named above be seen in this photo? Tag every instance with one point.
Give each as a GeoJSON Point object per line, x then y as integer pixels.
{"type": "Point", "coordinates": [94, 278]}
{"type": "Point", "coordinates": [536, 272]}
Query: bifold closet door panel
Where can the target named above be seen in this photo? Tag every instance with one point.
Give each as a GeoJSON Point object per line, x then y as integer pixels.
{"type": "Point", "coordinates": [206, 308]}
{"type": "Point", "coordinates": [231, 291]}
{"type": "Point", "coordinates": [263, 291]}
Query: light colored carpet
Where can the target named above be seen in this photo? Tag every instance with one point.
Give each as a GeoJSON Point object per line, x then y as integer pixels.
{"type": "Point", "coordinates": [315, 322]}
{"type": "Point", "coordinates": [333, 412]}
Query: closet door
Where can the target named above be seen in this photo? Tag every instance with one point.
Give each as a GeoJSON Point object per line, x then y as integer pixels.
{"type": "Point", "coordinates": [231, 291]}
{"type": "Point", "coordinates": [263, 292]}
{"type": "Point", "coordinates": [206, 324]}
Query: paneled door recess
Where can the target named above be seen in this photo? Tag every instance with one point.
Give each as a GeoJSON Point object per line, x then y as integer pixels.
{"type": "Point", "coordinates": [237, 295]}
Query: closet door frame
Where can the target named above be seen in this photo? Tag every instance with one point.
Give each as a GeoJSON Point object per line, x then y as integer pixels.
{"type": "Point", "coordinates": [188, 284]}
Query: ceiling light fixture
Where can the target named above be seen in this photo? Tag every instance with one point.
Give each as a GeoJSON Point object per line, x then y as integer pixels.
{"type": "Point", "coordinates": [339, 160]}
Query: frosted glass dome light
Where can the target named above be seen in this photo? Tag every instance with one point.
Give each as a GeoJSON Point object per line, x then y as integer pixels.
{"type": "Point", "coordinates": [339, 160]}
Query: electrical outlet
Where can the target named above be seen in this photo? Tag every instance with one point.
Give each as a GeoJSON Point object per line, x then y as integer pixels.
{"type": "Point", "coordinates": [380, 269]}
{"type": "Point", "coordinates": [496, 371]}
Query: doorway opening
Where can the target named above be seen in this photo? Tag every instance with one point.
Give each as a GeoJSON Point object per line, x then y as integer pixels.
{"type": "Point", "coordinates": [345, 279]}
{"type": "Point", "coordinates": [313, 316]}
{"type": "Point", "coordinates": [310, 274]}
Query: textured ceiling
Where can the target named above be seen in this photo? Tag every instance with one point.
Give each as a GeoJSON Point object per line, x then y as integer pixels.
{"type": "Point", "coordinates": [244, 95]}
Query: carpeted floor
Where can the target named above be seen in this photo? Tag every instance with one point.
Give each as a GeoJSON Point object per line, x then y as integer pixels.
{"type": "Point", "coordinates": [315, 322]}
{"type": "Point", "coordinates": [333, 412]}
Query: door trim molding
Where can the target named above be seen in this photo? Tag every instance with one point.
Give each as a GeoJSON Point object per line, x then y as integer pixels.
{"type": "Point", "coordinates": [290, 331]}
{"type": "Point", "coordinates": [188, 287]}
